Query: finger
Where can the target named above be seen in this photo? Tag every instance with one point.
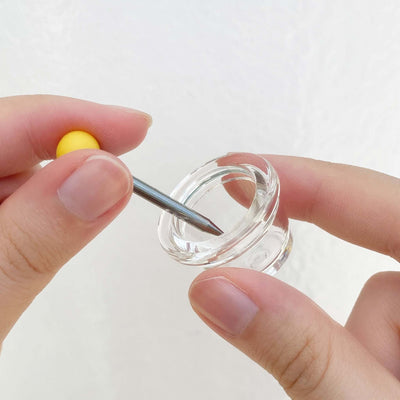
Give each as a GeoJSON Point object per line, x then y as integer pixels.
{"type": "Point", "coordinates": [375, 319]}
{"type": "Point", "coordinates": [310, 355]}
{"type": "Point", "coordinates": [10, 184]}
{"type": "Point", "coordinates": [356, 204]}
{"type": "Point", "coordinates": [31, 127]}
{"type": "Point", "coordinates": [50, 218]}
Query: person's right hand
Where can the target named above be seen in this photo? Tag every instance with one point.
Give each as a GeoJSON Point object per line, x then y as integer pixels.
{"type": "Point", "coordinates": [47, 215]}
{"type": "Point", "coordinates": [311, 355]}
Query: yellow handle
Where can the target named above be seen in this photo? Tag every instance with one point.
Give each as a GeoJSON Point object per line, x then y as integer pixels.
{"type": "Point", "coordinates": [76, 140]}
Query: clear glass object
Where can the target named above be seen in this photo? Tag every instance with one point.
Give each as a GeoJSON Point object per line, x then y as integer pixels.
{"type": "Point", "coordinates": [239, 192]}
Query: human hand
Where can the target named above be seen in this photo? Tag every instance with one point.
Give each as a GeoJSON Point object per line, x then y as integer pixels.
{"type": "Point", "coordinates": [47, 215]}
{"type": "Point", "coordinates": [311, 355]}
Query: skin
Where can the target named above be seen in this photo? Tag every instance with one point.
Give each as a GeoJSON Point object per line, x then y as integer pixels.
{"type": "Point", "coordinates": [38, 234]}
{"type": "Point", "coordinates": [43, 223]}
{"type": "Point", "coordinates": [310, 355]}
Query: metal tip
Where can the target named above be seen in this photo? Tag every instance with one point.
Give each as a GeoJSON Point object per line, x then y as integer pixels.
{"type": "Point", "coordinates": [212, 228]}
{"type": "Point", "coordinates": [172, 206]}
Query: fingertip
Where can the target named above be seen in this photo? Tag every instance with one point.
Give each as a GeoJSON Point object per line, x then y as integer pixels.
{"type": "Point", "coordinates": [147, 117]}
{"type": "Point", "coordinates": [133, 123]}
{"type": "Point", "coordinates": [33, 125]}
{"type": "Point", "coordinates": [257, 285]}
{"type": "Point", "coordinates": [275, 298]}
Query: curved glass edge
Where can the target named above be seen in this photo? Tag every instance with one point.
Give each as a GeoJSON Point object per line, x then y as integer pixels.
{"type": "Point", "coordinates": [228, 247]}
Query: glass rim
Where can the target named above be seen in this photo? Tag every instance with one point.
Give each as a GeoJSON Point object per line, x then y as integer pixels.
{"type": "Point", "coordinates": [250, 229]}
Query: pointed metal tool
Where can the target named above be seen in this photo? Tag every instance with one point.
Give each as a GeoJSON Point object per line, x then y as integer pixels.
{"type": "Point", "coordinates": [174, 207]}
{"type": "Point", "coordinates": [77, 140]}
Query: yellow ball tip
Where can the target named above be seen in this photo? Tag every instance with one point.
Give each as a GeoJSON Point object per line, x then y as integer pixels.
{"type": "Point", "coordinates": [76, 140]}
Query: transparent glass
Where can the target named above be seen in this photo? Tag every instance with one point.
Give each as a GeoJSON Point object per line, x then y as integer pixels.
{"type": "Point", "coordinates": [239, 192]}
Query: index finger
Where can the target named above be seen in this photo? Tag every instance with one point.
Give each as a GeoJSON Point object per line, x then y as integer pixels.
{"type": "Point", "coordinates": [31, 127]}
{"type": "Point", "coordinates": [356, 204]}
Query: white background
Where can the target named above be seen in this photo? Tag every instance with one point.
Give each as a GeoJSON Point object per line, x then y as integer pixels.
{"type": "Point", "coordinates": [311, 78]}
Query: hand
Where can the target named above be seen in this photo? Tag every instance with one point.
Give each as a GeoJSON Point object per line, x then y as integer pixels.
{"type": "Point", "coordinates": [311, 355]}
{"type": "Point", "coordinates": [47, 215]}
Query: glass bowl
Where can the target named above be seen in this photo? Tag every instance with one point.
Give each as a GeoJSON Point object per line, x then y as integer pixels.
{"type": "Point", "coordinates": [239, 192]}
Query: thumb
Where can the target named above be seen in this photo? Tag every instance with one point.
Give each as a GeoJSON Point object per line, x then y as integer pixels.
{"type": "Point", "coordinates": [310, 355]}
{"type": "Point", "coordinates": [50, 218]}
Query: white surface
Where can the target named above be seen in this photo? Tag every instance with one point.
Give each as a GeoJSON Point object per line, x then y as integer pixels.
{"type": "Point", "coordinates": [311, 78]}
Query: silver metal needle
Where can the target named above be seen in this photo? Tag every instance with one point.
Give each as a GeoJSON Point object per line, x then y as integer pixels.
{"type": "Point", "coordinates": [174, 207]}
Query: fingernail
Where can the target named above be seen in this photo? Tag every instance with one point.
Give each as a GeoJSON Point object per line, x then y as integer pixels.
{"type": "Point", "coordinates": [223, 303]}
{"type": "Point", "coordinates": [95, 187]}
{"type": "Point", "coordinates": [146, 116]}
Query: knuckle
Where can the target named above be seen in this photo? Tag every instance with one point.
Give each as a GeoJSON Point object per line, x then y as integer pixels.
{"type": "Point", "coordinates": [302, 366]}
{"type": "Point", "coordinates": [21, 255]}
